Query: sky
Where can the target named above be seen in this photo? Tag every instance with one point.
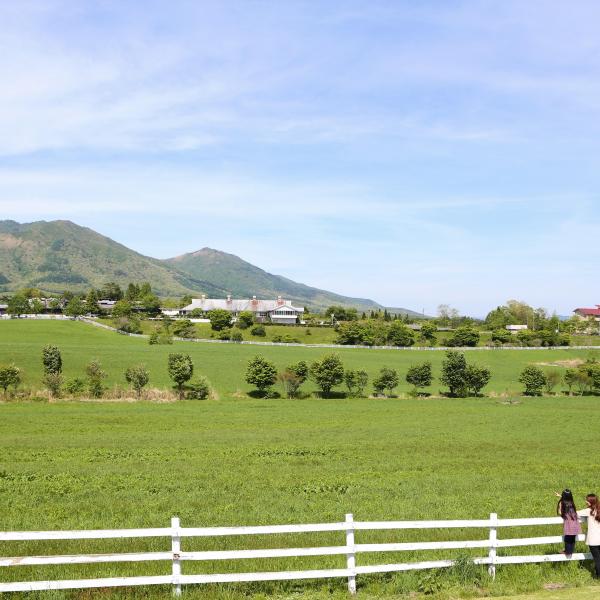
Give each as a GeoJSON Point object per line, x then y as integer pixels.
{"type": "Point", "coordinates": [415, 153]}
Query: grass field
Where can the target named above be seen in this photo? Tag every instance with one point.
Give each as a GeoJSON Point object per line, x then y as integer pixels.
{"type": "Point", "coordinates": [239, 460]}
{"type": "Point", "coordinates": [21, 341]}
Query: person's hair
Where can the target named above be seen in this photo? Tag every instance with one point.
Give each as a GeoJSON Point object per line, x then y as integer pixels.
{"type": "Point", "coordinates": [594, 506]}
{"type": "Point", "coordinates": [566, 505]}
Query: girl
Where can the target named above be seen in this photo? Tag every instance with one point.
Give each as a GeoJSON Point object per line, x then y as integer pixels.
{"type": "Point", "coordinates": [571, 528]}
{"type": "Point", "coordinates": [592, 512]}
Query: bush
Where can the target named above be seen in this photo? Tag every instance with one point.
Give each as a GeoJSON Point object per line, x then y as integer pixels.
{"type": "Point", "coordinates": [501, 336]}
{"type": "Point", "coordinates": [356, 382]}
{"type": "Point", "coordinates": [476, 378]}
{"type": "Point", "coordinates": [128, 325]}
{"type": "Point", "coordinates": [51, 359]}
{"type": "Point", "coordinates": [95, 375]}
{"type": "Point", "coordinates": [199, 389]}
{"type": "Point", "coordinates": [75, 386]}
{"type": "Point", "coordinates": [400, 335]}
{"type": "Point", "coordinates": [154, 338]}
{"type": "Point", "coordinates": [419, 376]}
{"type": "Point", "coordinates": [219, 319]}
{"type": "Point", "coordinates": [386, 380]}
{"type": "Point", "coordinates": [463, 379]}
{"type": "Point", "coordinates": [258, 331]}
{"type": "Point", "coordinates": [245, 319]}
{"type": "Point", "coordinates": [291, 383]}
{"type": "Point", "coordinates": [236, 336]}
{"type": "Point", "coordinates": [534, 379]}
{"type": "Point", "coordinates": [463, 336]}
{"type": "Point", "coordinates": [138, 378]}
{"type": "Point", "coordinates": [553, 378]}
{"type": "Point", "coordinates": [54, 382]}
{"type": "Point", "coordinates": [10, 375]}
{"type": "Point", "coordinates": [181, 369]}
{"type": "Point", "coordinates": [261, 373]}
{"type": "Point", "coordinates": [184, 328]}
{"type": "Point", "coordinates": [327, 373]}
{"type": "Point", "coordinates": [223, 334]}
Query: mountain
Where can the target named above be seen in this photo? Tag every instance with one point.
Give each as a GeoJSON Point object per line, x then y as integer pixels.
{"type": "Point", "coordinates": [59, 255]}
{"type": "Point", "coordinates": [243, 280]}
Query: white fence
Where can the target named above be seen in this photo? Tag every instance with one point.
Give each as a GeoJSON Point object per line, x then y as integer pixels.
{"type": "Point", "coordinates": [492, 543]}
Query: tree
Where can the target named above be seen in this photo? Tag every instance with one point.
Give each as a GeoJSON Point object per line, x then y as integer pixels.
{"type": "Point", "coordinates": [533, 379]}
{"type": "Point", "coordinates": [138, 377]}
{"type": "Point", "coordinates": [476, 378]}
{"type": "Point", "coordinates": [356, 382]}
{"type": "Point", "coordinates": [259, 331]}
{"type": "Point", "coordinates": [184, 328]}
{"type": "Point", "coordinates": [400, 335]}
{"type": "Point", "coordinates": [341, 313]}
{"type": "Point", "coordinates": [181, 369]}
{"type": "Point", "coordinates": [128, 324]}
{"type": "Point", "coordinates": [122, 308]}
{"type": "Point", "coordinates": [291, 383]}
{"type": "Point", "coordinates": [453, 373]}
{"type": "Point", "coordinates": [52, 362]}
{"type": "Point", "coordinates": [501, 336]}
{"type": "Point", "coordinates": [245, 319]}
{"type": "Point", "coordinates": [145, 289]}
{"type": "Point", "coordinates": [219, 319]}
{"type": "Point", "coordinates": [553, 378]}
{"type": "Point", "coordinates": [463, 336]}
{"type": "Point", "coordinates": [132, 293]}
{"type": "Point", "coordinates": [18, 305]}
{"type": "Point", "coordinates": [447, 316]}
{"type": "Point", "coordinates": [37, 306]}
{"type": "Point", "coordinates": [75, 307]}
{"type": "Point", "coordinates": [570, 378]}
{"type": "Point", "coordinates": [261, 373]}
{"type": "Point", "coordinates": [150, 304]}
{"type": "Point", "coordinates": [419, 376]}
{"type": "Point", "coordinates": [51, 359]}
{"type": "Point", "coordinates": [91, 302]}
{"type": "Point", "coordinates": [427, 333]}
{"type": "Point", "coordinates": [10, 375]}
{"type": "Point", "coordinates": [95, 375]}
{"type": "Point", "coordinates": [386, 380]}
{"type": "Point", "coordinates": [111, 291]}
{"type": "Point", "coordinates": [327, 373]}
{"type": "Point", "coordinates": [185, 301]}
{"type": "Point", "coordinates": [300, 370]}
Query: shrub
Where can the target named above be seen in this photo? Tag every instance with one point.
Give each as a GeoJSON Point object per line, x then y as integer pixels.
{"type": "Point", "coordinates": [553, 378]}
{"type": "Point", "coordinates": [138, 378]}
{"type": "Point", "coordinates": [10, 375]}
{"type": "Point", "coordinates": [400, 335]}
{"type": "Point", "coordinates": [199, 389]}
{"type": "Point", "coordinates": [427, 333]}
{"type": "Point", "coordinates": [219, 319]}
{"type": "Point", "coordinates": [356, 382]}
{"type": "Point", "coordinates": [181, 369]}
{"type": "Point", "coordinates": [184, 328]}
{"type": "Point", "coordinates": [291, 383]}
{"type": "Point", "coordinates": [258, 331]}
{"type": "Point", "coordinates": [236, 336]}
{"type": "Point", "coordinates": [51, 359]}
{"type": "Point", "coordinates": [95, 375]}
{"type": "Point", "coordinates": [476, 378]}
{"type": "Point", "coordinates": [453, 373]}
{"type": "Point", "coordinates": [533, 379]}
{"type": "Point", "coordinates": [261, 373]}
{"type": "Point", "coordinates": [386, 380]}
{"type": "Point", "coordinates": [75, 386]}
{"type": "Point", "coordinates": [327, 373]}
{"type": "Point", "coordinates": [128, 325]}
{"type": "Point", "coordinates": [463, 336]}
{"type": "Point", "coordinates": [501, 336]}
{"type": "Point", "coordinates": [165, 339]}
{"type": "Point", "coordinates": [53, 382]}
{"type": "Point", "coordinates": [245, 319]}
{"type": "Point", "coordinates": [154, 338]}
{"type": "Point", "coordinates": [224, 334]}
{"type": "Point", "coordinates": [419, 376]}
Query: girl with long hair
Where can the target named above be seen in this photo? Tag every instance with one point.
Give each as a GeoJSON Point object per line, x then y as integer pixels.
{"type": "Point", "coordinates": [571, 527]}
{"type": "Point", "coordinates": [592, 512]}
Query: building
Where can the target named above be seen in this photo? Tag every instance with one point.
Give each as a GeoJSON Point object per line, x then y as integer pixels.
{"type": "Point", "coordinates": [278, 311]}
{"type": "Point", "coordinates": [516, 328]}
{"type": "Point", "coordinates": [585, 313]}
{"type": "Point", "coordinates": [3, 309]}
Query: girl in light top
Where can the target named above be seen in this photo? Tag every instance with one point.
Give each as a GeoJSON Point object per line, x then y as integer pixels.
{"type": "Point", "coordinates": [571, 528]}
{"type": "Point", "coordinates": [592, 512]}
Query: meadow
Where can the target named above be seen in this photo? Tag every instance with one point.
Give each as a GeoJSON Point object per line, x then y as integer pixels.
{"type": "Point", "coordinates": [240, 461]}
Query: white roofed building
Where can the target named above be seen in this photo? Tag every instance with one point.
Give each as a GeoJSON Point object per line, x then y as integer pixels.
{"type": "Point", "coordinates": [276, 311]}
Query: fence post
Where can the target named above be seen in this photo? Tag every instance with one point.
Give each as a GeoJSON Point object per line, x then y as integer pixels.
{"type": "Point", "coordinates": [350, 557]}
{"type": "Point", "coordinates": [493, 539]}
{"type": "Point", "coordinates": [176, 550]}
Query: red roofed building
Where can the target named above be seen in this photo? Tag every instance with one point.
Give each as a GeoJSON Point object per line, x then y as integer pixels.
{"type": "Point", "coordinates": [584, 313]}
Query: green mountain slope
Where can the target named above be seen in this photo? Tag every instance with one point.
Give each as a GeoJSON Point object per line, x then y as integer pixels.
{"type": "Point", "coordinates": [59, 255]}
{"type": "Point", "coordinates": [242, 279]}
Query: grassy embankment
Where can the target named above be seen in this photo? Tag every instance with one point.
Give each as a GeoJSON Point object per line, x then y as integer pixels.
{"type": "Point", "coordinates": [247, 461]}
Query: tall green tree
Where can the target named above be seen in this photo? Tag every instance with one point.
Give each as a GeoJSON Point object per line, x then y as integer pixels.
{"type": "Point", "coordinates": [261, 373]}
{"type": "Point", "coordinates": [181, 369]}
{"type": "Point", "coordinates": [327, 373]}
{"type": "Point", "coordinates": [91, 302]}
{"type": "Point", "coordinates": [75, 307]}
{"type": "Point", "coordinates": [386, 380]}
{"type": "Point", "coordinates": [419, 376]}
{"type": "Point", "coordinates": [18, 305]}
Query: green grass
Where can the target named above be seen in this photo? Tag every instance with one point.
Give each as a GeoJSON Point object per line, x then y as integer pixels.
{"type": "Point", "coordinates": [21, 341]}
{"type": "Point", "coordinates": [240, 461]}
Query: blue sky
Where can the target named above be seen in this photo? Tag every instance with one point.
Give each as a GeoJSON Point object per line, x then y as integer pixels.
{"type": "Point", "coordinates": [416, 153]}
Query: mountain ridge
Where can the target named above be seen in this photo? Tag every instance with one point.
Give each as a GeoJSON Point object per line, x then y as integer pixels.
{"type": "Point", "coordinates": [60, 254]}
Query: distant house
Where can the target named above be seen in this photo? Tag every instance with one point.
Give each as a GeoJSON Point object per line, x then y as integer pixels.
{"type": "Point", "coordinates": [3, 309]}
{"type": "Point", "coordinates": [106, 305]}
{"type": "Point", "coordinates": [585, 313]}
{"type": "Point", "coordinates": [276, 311]}
{"type": "Point", "coordinates": [516, 328]}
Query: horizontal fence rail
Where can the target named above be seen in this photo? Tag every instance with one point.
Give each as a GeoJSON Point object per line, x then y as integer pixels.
{"type": "Point", "coordinates": [350, 549]}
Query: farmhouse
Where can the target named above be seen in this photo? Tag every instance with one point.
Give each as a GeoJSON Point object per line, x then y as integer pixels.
{"type": "Point", "coordinates": [276, 311]}
{"type": "Point", "coordinates": [585, 313]}
{"type": "Point", "coordinates": [516, 328]}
